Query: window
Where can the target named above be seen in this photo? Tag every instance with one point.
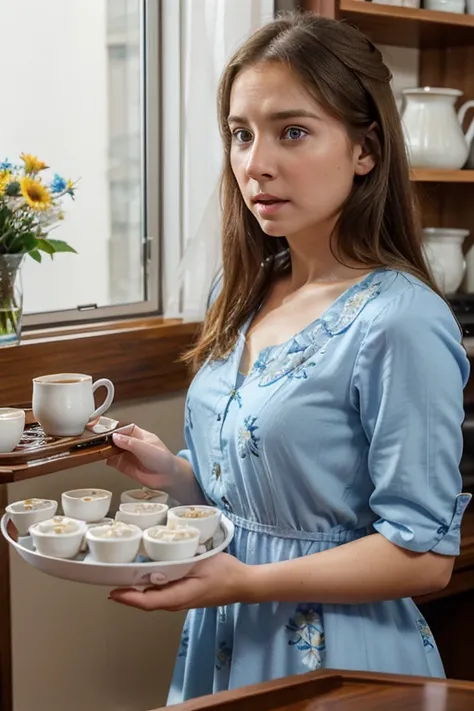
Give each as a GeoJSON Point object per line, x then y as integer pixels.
{"type": "Point", "coordinates": [81, 92]}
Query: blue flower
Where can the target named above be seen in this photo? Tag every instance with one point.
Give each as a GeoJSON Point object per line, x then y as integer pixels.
{"type": "Point", "coordinates": [223, 656]}
{"type": "Point", "coordinates": [5, 166]}
{"type": "Point", "coordinates": [308, 634]}
{"type": "Point", "coordinates": [58, 184]}
{"type": "Point", "coordinates": [425, 632]}
{"type": "Point", "coordinates": [247, 438]}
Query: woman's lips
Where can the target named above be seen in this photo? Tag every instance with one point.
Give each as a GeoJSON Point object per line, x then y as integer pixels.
{"type": "Point", "coordinates": [266, 208]}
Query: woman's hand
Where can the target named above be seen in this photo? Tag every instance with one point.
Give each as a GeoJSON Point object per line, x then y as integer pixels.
{"type": "Point", "coordinates": [220, 580]}
{"type": "Point", "coordinates": [147, 460]}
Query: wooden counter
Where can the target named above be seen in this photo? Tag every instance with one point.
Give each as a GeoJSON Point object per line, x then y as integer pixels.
{"type": "Point", "coordinates": [341, 691]}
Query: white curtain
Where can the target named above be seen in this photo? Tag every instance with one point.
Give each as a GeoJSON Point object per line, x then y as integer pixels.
{"type": "Point", "coordinates": [207, 33]}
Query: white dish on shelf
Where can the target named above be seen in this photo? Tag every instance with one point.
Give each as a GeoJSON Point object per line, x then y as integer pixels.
{"type": "Point", "coordinates": [84, 569]}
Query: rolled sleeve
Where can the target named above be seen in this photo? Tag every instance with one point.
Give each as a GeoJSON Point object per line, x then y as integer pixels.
{"type": "Point", "coordinates": [409, 379]}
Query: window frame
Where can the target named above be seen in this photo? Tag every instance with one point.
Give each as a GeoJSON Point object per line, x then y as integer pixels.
{"type": "Point", "coordinates": [151, 246]}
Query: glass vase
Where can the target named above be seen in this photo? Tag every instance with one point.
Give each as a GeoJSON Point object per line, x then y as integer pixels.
{"type": "Point", "coordinates": [11, 299]}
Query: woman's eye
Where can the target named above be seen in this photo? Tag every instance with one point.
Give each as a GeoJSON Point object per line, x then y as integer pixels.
{"type": "Point", "coordinates": [241, 135]}
{"type": "Point", "coordinates": [294, 133]}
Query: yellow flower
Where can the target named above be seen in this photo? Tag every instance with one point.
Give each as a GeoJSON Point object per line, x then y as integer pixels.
{"type": "Point", "coordinates": [32, 163]}
{"type": "Point", "coordinates": [35, 194]}
{"type": "Point", "coordinates": [4, 180]}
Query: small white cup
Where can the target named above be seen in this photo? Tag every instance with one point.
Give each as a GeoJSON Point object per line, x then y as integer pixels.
{"type": "Point", "coordinates": [12, 424]}
{"type": "Point", "coordinates": [25, 513]}
{"type": "Point", "coordinates": [89, 505]}
{"type": "Point", "coordinates": [168, 550]}
{"type": "Point", "coordinates": [64, 403]}
{"type": "Point", "coordinates": [143, 515]}
{"type": "Point", "coordinates": [207, 525]}
{"type": "Point", "coordinates": [103, 522]}
{"type": "Point", "coordinates": [115, 543]}
{"type": "Point", "coordinates": [49, 540]}
{"type": "Point", "coordinates": [144, 496]}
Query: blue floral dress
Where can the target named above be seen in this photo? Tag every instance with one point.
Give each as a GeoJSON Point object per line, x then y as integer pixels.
{"type": "Point", "coordinates": [351, 426]}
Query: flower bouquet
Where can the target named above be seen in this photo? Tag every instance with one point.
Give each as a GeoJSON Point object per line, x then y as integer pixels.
{"type": "Point", "coordinates": [30, 208]}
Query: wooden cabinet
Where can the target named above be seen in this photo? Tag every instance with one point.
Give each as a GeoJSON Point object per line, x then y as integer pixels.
{"type": "Point", "coordinates": [446, 45]}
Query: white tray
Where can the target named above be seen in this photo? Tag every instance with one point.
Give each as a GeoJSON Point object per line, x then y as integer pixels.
{"type": "Point", "coordinates": [84, 569]}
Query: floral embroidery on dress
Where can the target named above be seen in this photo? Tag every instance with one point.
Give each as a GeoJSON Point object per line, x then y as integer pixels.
{"type": "Point", "coordinates": [292, 363]}
{"type": "Point", "coordinates": [295, 358]}
{"type": "Point", "coordinates": [247, 439]}
{"type": "Point", "coordinates": [223, 656]}
{"type": "Point", "coordinates": [352, 308]}
{"type": "Point", "coordinates": [237, 397]}
{"type": "Point", "coordinates": [308, 634]}
{"type": "Point", "coordinates": [425, 632]}
{"type": "Point", "coordinates": [184, 644]}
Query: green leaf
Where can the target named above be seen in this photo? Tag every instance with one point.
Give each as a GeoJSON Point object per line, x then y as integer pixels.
{"type": "Point", "coordinates": [35, 255]}
{"type": "Point", "coordinates": [13, 189]}
{"type": "Point", "coordinates": [45, 246]}
{"type": "Point", "coordinates": [60, 246]}
{"type": "Point", "coordinates": [28, 242]}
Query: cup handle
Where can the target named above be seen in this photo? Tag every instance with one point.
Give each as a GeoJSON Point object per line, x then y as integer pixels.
{"type": "Point", "coordinates": [108, 400]}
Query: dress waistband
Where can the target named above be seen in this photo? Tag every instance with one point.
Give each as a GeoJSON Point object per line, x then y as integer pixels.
{"type": "Point", "coordinates": [334, 535]}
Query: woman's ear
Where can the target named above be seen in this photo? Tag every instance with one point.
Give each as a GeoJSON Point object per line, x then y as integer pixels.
{"type": "Point", "coordinates": [367, 153]}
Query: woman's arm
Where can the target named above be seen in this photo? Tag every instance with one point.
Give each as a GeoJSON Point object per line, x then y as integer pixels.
{"type": "Point", "coordinates": [362, 571]}
{"type": "Point", "coordinates": [366, 570]}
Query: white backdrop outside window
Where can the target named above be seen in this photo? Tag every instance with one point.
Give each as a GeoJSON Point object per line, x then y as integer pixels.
{"type": "Point", "coordinates": [210, 32]}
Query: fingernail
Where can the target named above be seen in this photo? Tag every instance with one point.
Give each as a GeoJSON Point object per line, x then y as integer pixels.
{"type": "Point", "coordinates": [118, 437]}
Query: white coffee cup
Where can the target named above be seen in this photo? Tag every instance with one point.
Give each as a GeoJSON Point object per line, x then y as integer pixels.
{"type": "Point", "coordinates": [12, 424]}
{"type": "Point", "coordinates": [64, 403]}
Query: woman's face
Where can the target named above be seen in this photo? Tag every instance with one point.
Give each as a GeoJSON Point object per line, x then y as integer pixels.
{"type": "Point", "coordinates": [293, 162]}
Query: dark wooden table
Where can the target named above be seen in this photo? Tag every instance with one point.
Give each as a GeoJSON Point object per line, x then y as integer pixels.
{"type": "Point", "coordinates": [342, 691]}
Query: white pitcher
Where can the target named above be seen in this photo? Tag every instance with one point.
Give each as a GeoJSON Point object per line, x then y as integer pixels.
{"type": "Point", "coordinates": [433, 131]}
{"type": "Point", "coordinates": [443, 249]}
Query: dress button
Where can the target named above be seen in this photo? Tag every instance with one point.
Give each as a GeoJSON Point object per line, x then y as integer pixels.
{"type": "Point", "coordinates": [216, 470]}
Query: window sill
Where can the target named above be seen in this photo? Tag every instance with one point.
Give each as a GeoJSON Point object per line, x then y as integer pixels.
{"type": "Point", "coordinates": [139, 355]}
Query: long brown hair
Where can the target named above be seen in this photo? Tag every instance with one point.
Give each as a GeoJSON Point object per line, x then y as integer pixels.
{"type": "Point", "coordinates": [378, 225]}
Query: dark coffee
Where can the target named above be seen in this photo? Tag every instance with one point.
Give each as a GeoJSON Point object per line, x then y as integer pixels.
{"type": "Point", "coordinates": [61, 382]}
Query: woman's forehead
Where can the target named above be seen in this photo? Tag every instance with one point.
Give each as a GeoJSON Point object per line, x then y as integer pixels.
{"type": "Point", "coordinates": [272, 90]}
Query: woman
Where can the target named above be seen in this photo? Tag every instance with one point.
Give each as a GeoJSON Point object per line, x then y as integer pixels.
{"type": "Point", "coordinates": [325, 416]}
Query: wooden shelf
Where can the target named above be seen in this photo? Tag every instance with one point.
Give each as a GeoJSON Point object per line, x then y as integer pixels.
{"type": "Point", "coordinates": [408, 27]}
{"type": "Point", "coordinates": [426, 175]}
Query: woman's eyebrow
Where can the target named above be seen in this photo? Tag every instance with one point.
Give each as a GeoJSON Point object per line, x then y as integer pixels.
{"type": "Point", "coordinates": [279, 116]}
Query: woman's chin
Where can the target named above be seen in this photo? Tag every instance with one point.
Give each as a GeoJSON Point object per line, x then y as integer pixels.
{"type": "Point", "coordinates": [272, 228]}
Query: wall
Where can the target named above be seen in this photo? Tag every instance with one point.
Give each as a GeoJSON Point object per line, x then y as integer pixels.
{"type": "Point", "coordinates": [73, 648]}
